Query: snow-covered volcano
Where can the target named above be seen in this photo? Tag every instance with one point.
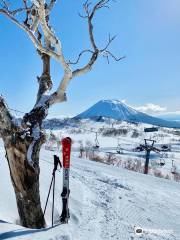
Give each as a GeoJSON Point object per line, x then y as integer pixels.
{"type": "Point", "coordinates": [116, 109]}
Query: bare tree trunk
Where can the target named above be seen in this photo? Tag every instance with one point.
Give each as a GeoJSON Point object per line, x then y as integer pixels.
{"type": "Point", "coordinates": [25, 182]}
{"type": "Point", "coordinates": [23, 142]}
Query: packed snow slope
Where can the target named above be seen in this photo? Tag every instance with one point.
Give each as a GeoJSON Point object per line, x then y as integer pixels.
{"type": "Point", "coordinates": [115, 109]}
{"type": "Point", "coordinates": [105, 203]}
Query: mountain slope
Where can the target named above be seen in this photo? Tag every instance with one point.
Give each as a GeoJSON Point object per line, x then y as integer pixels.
{"type": "Point", "coordinates": [117, 110]}
{"type": "Point", "coordinates": [171, 116]}
{"type": "Point", "coordinates": [105, 204]}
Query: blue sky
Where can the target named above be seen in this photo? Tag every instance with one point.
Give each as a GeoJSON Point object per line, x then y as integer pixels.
{"type": "Point", "coordinates": [148, 33]}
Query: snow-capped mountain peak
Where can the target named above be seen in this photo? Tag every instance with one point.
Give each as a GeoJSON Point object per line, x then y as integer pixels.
{"type": "Point", "coordinates": [118, 110]}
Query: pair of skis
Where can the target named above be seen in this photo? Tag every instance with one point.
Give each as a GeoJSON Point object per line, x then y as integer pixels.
{"type": "Point", "coordinates": [66, 152]}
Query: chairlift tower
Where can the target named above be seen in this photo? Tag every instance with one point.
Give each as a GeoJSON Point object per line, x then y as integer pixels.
{"type": "Point", "coordinates": [148, 147]}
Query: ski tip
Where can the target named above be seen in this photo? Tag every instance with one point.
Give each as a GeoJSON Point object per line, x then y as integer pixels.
{"type": "Point", "coordinates": [66, 140]}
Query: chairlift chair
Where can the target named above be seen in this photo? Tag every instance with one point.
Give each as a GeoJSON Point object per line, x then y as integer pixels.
{"type": "Point", "coordinates": [118, 148]}
{"type": "Point", "coordinates": [161, 162]}
{"type": "Point", "coordinates": [139, 149]}
{"type": "Point", "coordinates": [165, 148]}
{"type": "Point", "coordinates": [96, 145]}
{"type": "Point", "coordinates": [173, 169]}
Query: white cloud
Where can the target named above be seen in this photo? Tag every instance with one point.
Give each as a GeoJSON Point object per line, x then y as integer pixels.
{"type": "Point", "coordinates": [151, 108]}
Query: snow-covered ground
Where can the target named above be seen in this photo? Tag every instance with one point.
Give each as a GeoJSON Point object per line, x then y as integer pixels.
{"type": "Point", "coordinates": [106, 203]}
{"type": "Point", "coordinates": [84, 133]}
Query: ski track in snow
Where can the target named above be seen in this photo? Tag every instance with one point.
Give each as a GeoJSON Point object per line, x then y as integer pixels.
{"type": "Point", "coordinates": [121, 208]}
{"type": "Point", "coordinates": [105, 204]}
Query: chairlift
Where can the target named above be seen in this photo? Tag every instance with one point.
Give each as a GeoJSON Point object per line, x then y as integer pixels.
{"type": "Point", "coordinates": [165, 148]}
{"type": "Point", "coordinates": [162, 162]}
{"type": "Point", "coordinates": [173, 169]}
{"type": "Point", "coordinates": [118, 148]}
{"type": "Point", "coordinates": [96, 145]}
{"type": "Point", "coordinates": [139, 149]}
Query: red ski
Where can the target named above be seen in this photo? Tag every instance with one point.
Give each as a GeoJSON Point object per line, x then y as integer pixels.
{"type": "Point", "coordinates": [66, 153]}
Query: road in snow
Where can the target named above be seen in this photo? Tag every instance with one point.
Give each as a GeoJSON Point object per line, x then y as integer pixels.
{"type": "Point", "coordinates": [105, 203]}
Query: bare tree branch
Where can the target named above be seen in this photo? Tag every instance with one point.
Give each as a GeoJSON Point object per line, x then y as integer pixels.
{"type": "Point", "coordinates": [4, 4]}
{"type": "Point", "coordinates": [110, 40]}
{"type": "Point", "coordinates": [35, 41]}
{"type": "Point", "coordinates": [87, 67]}
{"type": "Point", "coordinates": [45, 82]}
{"type": "Point", "coordinates": [56, 43]}
{"type": "Point", "coordinates": [89, 15]}
{"type": "Point", "coordinates": [80, 55]}
{"type": "Point", "coordinates": [51, 4]}
{"type": "Point", "coordinates": [114, 57]}
{"type": "Point", "coordinates": [7, 126]}
{"type": "Point", "coordinates": [39, 16]}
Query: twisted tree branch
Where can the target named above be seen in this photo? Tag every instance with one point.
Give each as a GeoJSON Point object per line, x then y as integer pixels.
{"type": "Point", "coordinates": [7, 125]}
